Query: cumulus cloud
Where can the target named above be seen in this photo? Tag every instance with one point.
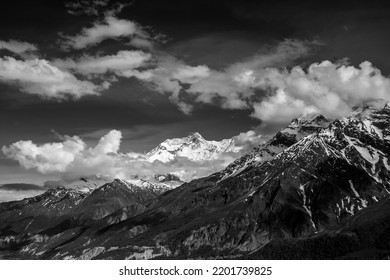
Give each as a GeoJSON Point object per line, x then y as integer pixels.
{"type": "Point", "coordinates": [18, 47]}
{"type": "Point", "coordinates": [73, 158]}
{"type": "Point", "coordinates": [233, 88]}
{"type": "Point", "coordinates": [328, 88]}
{"type": "Point", "coordinates": [110, 28]}
{"type": "Point", "coordinates": [46, 158]}
{"type": "Point", "coordinates": [39, 76]}
{"type": "Point", "coordinates": [118, 63]}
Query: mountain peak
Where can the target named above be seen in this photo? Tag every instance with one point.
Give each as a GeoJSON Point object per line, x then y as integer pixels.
{"type": "Point", "coordinates": [372, 104]}
{"type": "Point", "coordinates": [306, 124]}
{"type": "Point", "coordinates": [193, 147]}
{"type": "Point", "coordinates": [311, 118]}
{"type": "Point", "coordinates": [196, 135]}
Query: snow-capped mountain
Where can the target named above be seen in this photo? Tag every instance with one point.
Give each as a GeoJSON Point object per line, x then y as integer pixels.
{"type": "Point", "coordinates": [308, 188]}
{"type": "Point", "coordinates": [312, 184]}
{"type": "Point", "coordinates": [299, 128]}
{"type": "Point", "coordinates": [193, 147]}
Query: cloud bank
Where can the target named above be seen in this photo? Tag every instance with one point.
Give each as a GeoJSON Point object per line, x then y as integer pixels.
{"type": "Point", "coordinates": [72, 158]}
{"type": "Point", "coordinates": [331, 89]}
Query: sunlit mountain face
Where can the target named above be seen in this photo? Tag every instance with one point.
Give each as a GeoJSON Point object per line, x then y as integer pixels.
{"type": "Point", "coordinates": [206, 129]}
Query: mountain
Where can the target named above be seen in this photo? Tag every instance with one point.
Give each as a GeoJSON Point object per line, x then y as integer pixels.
{"type": "Point", "coordinates": [363, 236]}
{"type": "Point", "coordinates": [170, 177]}
{"type": "Point", "coordinates": [299, 128]}
{"type": "Point", "coordinates": [20, 218]}
{"type": "Point", "coordinates": [304, 190]}
{"type": "Point", "coordinates": [63, 213]}
{"type": "Point", "coordinates": [316, 185]}
{"type": "Point", "coordinates": [193, 147]}
{"type": "Point", "coordinates": [85, 185]}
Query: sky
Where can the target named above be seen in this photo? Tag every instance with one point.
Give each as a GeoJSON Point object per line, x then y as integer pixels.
{"type": "Point", "coordinates": [84, 83]}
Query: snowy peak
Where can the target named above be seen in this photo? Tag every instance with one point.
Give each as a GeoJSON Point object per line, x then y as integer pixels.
{"type": "Point", "coordinates": [306, 124]}
{"type": "Point", "coordinates": [299, 128]}
{"type": "Point", "coordinates": [193, 147]}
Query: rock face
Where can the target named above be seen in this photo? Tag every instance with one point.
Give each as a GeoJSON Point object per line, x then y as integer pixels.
{"type": "Point", "coordinates": [315, 182]}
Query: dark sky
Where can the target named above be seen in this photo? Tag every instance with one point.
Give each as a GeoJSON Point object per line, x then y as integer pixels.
{"type": "Point", "coordinates": [216, 33]}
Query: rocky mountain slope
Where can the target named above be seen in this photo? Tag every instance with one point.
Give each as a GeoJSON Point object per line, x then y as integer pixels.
{"type": "Point", "coordinates": [307, 186]}
{"type": "Point", "coordinates": [64, 212]}
{"type": "Point", "coordinates": [299, 128]}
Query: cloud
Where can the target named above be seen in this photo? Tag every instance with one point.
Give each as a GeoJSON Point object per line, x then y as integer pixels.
{"type": "Point", "coordinates": [73, 158]}
{"type": "Point", "coordinates": [247, 140]}
{"type": "Point", "coordinates": [40, 77]}
{"type": "Point", "coordinates": [87, 7]}
{"type": "Point", "coordinates": [94, 7]}
{"type": "Point", "coordinates": [46, 158]}
{"type": "Point", "coordinates": [264, 84]}
{"type": "Point", "coordinates": [20, 187]}
{"type": "Point", "coordinates": [13, 195]}
{"type": "Point", "coordinates": [328, 88]}
{"type": "Point", "coordinates": [230, 88]}
{"type": "Point", "coordinates": [18, 47]}
{"type": "Point", "coordinates": [233, 88]}
{"type": "Point", "coordinates": [167, 75]}
{"type": "Point", "coordinates": [118, 63]}
{"type": "Point", "coordinates": [110, 28]}
{"type": "Point", "coordinates": [13, 192]}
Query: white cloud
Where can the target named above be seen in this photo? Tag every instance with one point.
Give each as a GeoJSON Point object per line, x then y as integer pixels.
{"type": "Point", "coordinates": [117, 63]}
{"type": "Point", "coordinates": [18, 47]}
{"type": "Point", "coordinates": [72, 155]}
{"type": "Point", "coordinates": [39, 76]}
{"type": "Point", "coordinates": [233, 87]}
{"type": "Point", "coordinates": [110, 28]}
{"type": "Point", "coordinates": [46, 158]}
{"type": "Point", "coordinates": [328, 88]}
{"type": "Point", "coordinates": [249, 139]}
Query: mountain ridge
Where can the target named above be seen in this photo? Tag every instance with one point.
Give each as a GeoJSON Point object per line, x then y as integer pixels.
{"type": "Point", "coordinates": [317, 176]}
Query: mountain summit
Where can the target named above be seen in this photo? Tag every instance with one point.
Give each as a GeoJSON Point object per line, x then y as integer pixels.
{"type": "Point", "coordinates": [193, 147]}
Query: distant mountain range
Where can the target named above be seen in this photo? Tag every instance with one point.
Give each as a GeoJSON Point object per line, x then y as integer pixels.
{"type": "Point", "coordinates": [318, 189]}
{"type": "Point", "coordinates": [193, 147]}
